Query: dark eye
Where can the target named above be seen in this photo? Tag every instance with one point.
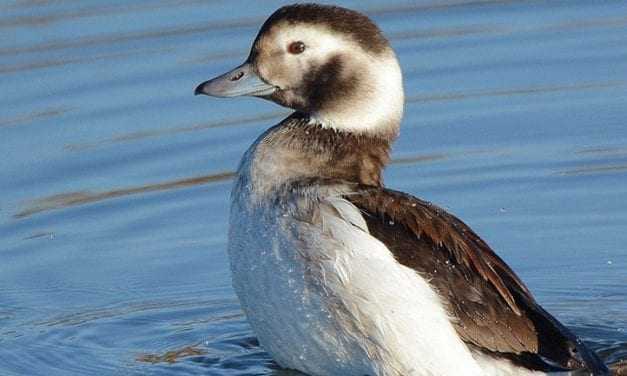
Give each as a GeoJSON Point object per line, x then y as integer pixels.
{"type": "Point", "coordinates": [296, 48]}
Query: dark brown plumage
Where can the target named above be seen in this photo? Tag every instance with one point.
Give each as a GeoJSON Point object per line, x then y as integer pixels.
{"type": "Point", "coordinates": [316, 151]}
{"type": "Point", "coordinates": [340, 20]}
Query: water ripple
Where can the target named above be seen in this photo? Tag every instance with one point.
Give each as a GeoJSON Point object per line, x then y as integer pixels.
{"type": "Point", "coordinates": [65, 200]}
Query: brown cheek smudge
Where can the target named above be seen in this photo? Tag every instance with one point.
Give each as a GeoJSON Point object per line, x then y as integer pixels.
{"type": "Point", "coordinates": [325, 84]}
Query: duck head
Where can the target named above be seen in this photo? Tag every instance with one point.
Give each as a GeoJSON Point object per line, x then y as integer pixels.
{"type": "Point", "coordinates": [331, 63]}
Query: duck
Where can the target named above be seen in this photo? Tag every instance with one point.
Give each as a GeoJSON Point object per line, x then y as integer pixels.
{"type": "Point", "coordinates": [338, 274]}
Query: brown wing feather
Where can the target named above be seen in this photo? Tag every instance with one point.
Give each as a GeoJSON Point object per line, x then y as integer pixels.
{"type": "Point", "coordinates": [447, 232]}
{"type": "Point", "coordinates": [492, 308]}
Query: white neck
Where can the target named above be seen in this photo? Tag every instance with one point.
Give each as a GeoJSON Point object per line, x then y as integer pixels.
{"type": "Point", "coordinates": [376, 106]}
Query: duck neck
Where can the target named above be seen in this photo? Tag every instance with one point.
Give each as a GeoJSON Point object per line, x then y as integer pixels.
{"type": "Point", "coordinates": [299, 148]}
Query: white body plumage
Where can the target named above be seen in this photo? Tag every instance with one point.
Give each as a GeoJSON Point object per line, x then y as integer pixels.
{"type": "Point", "coordinates": [327, 298]}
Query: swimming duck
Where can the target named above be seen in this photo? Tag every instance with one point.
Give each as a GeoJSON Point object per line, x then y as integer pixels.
{"type": "Point", "coordinates": [339, 275]}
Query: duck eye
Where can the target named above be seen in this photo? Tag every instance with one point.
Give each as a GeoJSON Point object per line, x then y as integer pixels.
{"type": "Point", "coordinates": [296, 48]}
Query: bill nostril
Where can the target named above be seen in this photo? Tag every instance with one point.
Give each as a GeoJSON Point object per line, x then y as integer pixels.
{"type": "Point", "coordinates": [237, 76]}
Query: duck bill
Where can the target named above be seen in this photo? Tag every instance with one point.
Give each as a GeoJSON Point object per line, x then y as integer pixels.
{"type": "Point", "coordinates": [241, 81]}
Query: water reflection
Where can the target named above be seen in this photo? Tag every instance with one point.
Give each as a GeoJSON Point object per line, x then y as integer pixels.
{"type": "Point", "coordinates": [33, 116]}
{"type": "Point", "coordinates": [603, 151]}
{"type": "Point", "coordinates": [171, 356]}
{"type": "Point", "coordinates": [588, 170]}
{"type": "Point", "coordinates": [64, 200]}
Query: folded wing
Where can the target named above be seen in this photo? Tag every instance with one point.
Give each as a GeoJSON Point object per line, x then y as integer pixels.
{"type": "Point", "coordinates": [492, 309]}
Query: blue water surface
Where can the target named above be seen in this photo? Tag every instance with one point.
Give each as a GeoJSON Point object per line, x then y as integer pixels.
{"type": "Point", "coordinates": [115, 179]}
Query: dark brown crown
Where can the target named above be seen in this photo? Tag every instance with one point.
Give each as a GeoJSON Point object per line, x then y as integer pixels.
{"type": "Point", "coordinates": [340, 20]}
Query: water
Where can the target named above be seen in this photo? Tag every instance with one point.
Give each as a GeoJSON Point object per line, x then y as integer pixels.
{"type": "Point", "coordinates": [114, 178]}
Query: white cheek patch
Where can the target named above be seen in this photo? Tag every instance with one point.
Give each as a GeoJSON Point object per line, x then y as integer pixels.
{"type": "Point", "coordinates": [377, 106]}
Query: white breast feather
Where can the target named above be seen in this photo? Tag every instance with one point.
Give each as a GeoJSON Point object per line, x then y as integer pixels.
{"type": "Point", "coordinates": [330, 299]}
